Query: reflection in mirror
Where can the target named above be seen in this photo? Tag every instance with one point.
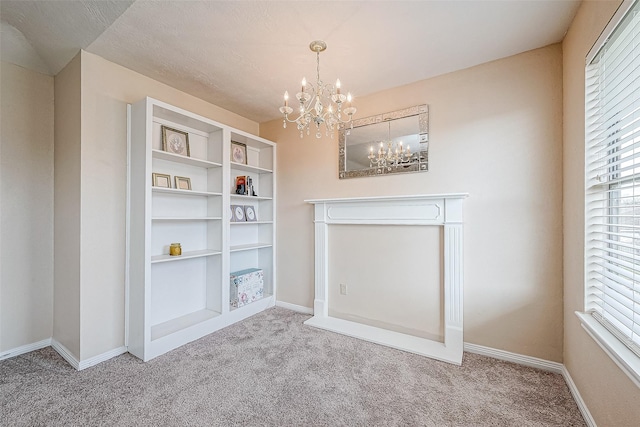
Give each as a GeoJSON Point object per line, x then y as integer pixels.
{"type": "Point", "coordinates": [384, 144]}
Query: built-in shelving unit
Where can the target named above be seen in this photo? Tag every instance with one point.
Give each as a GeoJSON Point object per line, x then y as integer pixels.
{"type": "Point", "coordinates": [177, 299]}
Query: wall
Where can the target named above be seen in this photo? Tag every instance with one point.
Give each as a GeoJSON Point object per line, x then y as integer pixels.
{"type": "Point", "coordinates": [496, 133]}
{"type": "Point", "coordinates": [66, 288]}
{"type": "Point", "coordinates": [402, 284]}
{"type": "Point", "coordinates": [610, 396]}
{"type": "Point", "coordinates": [106, 90]}
{"type": "Point", "coordinates": [26, 218]}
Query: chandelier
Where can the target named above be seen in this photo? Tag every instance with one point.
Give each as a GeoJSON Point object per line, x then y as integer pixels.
{"type": "Point", "coordinates": [390, 154]}
{"type": "Point", "coordinates": [322, 103]}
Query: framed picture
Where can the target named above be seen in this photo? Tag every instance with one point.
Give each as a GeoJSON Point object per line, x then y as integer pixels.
{"type": "Point", "coordinates": [161, 180]}
{"type": "Point", "coordinates": [175, 141]}
{"type": "Point", "coordinates": [241, 184]}
{"type": "Point", "coordinates": [238, 152]}
{"type": "Point", "coordinates": [250, 213]}
{"type": "Point", "coordinates": [237, 213]}
{"type": "Point", "coordinates": [183, 183]}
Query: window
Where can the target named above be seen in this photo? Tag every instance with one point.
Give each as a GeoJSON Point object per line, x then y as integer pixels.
{"type": "Point", "coordinates": [612, 199]}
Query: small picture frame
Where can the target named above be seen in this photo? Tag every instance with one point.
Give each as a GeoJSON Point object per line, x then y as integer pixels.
{"type": "Point", "coordinates": [237, 213]}
{"type": "Point", "coordinates": [238, 152]}
{"type": "Point", "coordinates": [175, 141]}
{"type": "Point", "coordinates": [183, 183]}
{"type": "Point", "coordinates": [161, 180]}
{"type": "Point", "coordinates": [250, 213]}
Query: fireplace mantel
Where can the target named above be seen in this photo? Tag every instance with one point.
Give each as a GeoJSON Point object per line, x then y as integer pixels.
{"type": "Point", "coordinates": [429, 209]}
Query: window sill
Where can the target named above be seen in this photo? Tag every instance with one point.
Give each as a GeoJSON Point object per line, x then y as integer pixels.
{"type": "Point", "coordinates": [626, 360]}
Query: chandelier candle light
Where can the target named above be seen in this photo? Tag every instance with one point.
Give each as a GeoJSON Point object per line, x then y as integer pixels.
{"type": "Point", "coordinates": [322, 103]}
{"type": "Point", "coordinates": [394, 156]}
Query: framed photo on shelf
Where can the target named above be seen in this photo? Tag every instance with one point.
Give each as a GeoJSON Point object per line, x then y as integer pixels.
{"type": "Point", "coordinates": [241, 185]}
{"type": "Point", "coordinates": [183, 183]}
{"type": "Point", "coordinates": [237, 213]}
{"type": "Point", "coordinates": [238, 152]}
{"type": "Point", "coordinates": [161, 180]}
{"type": "Point", "coordinates": [250, 213]}
{"type": "Point", "coordinates": [175, 141]}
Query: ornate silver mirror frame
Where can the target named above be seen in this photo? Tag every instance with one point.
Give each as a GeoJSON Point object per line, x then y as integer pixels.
{"type": "Point", "coordinates": [395, 142]}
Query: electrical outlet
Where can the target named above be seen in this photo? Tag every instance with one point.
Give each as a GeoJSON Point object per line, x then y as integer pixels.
{"type": "Point", "coordinates": [343, 289]}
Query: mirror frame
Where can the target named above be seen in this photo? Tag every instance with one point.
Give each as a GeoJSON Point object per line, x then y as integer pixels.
{"type": "Point", "coordinates": [422, 165]}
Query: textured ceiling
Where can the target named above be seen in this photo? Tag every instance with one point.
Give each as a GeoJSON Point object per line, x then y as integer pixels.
{"type": "Point", "coordinates": [243, 55]}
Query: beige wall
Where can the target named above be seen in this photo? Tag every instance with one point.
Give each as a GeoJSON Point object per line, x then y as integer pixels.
{"type": "Point", "coordinates": [402, 286]}
{"type": "Point", "coordinates": [66, 301]}
{"type": "Point", "coordinates": [26, 219]}
{"type": "Point", "coordinates": [106, 90]}
{"type": "Point", "coordinates": [594, 373]}
{"type": "Point", "coordinates": [496, 133]}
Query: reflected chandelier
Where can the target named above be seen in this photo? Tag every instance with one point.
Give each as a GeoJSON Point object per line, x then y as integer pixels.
{"type": "Point", "coordinates": [322, 103]}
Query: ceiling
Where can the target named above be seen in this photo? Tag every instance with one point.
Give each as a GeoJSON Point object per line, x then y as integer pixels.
{"type": "Point", "coordinates": [243, 55]}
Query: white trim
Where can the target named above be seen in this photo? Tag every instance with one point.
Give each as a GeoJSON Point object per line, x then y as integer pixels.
{"type": "Point", "coordinates": [65, 353]}
{"type": "Point", "coordinates": [535, 362]}
{"type": "Point", "coordinates": [520, 359]}
{"type": "Point", "coordinates": [606, 32]}
{"type": "Point", "coordinates": [101, 357]}
{"type": "Point", "coordinates": [294, 307]}
{"type": "Point", "coordinates": [588, 419]}
{"type": "Point", "coordinates": [71, 359]}
{"type": "Point", "coordinates": [25, 349]}
{"type": "Point", "coordinates": [626, 360]}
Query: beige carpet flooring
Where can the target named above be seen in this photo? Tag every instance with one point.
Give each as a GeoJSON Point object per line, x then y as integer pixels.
{"type": "Point", "coordinates": [271, 370]}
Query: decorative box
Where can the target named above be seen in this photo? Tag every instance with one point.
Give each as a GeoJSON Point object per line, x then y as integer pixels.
{"type": "Point", "coordinates": [247, 286]}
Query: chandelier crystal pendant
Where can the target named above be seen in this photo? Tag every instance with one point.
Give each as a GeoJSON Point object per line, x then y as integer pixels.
{"type": "Point", "coordinates": [319, 103]}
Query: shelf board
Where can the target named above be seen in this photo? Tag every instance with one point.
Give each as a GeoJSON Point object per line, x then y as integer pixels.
{"type": "Point", "coordinates": [186, 218]}
{"type": "Point", "coordinates": [249, 222]}
{"type": "Point", "coordinates": [239, 248]}
{"type": "Point", "coordinates": [240, 196]}
{"type": "Point", "coordinates": [184, 192]}
{"type": "Point", "coordinates": [192, 161]}
{"type": "Point", "coordinates": [179, 323]}
{"type": "Point", "coordinates": [249, 168]}
{"type": "Point", "coordinates": [185, 255]}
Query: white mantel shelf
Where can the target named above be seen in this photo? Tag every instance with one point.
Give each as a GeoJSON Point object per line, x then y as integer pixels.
{"type": "Point", "coordinates": [425, 209]}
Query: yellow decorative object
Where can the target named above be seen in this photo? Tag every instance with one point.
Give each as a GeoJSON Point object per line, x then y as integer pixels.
{"type": "Point", "coordinates": [175, 249]}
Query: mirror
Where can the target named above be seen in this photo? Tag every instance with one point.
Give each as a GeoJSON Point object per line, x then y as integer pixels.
{"type": "Point", "coordinates": [394, 142]}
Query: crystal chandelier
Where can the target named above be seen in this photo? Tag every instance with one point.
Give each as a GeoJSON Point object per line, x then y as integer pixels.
{"type": "Point", "coordinates": [390, 154]}
{"type": "Point", "coordinates": [322, 103]}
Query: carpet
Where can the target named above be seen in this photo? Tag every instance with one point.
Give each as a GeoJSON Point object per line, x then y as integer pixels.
{"type": "Point", "coordinates": [271, 370]}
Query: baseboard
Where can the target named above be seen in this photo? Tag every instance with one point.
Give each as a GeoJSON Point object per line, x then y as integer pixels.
{"type": "Point", "coordinates": [101, 358]}
{"type": "Point", "coordinates": [25, 349]}
{"type": "Point", "coordinates": [65, 353]}
{"type": "Point", "coordinates": [588, 419]}
{"type": "Point", "coordinates": [520, 359]}
{"type": "Point", "coordinates": [294, 307]}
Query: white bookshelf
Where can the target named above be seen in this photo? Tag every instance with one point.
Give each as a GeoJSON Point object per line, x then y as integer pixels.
{"type": "Point", "coordinates": [177, 299]}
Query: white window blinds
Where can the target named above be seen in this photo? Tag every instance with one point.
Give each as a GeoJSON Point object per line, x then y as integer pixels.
{"type": "Point", "coordinates": [612, 199]}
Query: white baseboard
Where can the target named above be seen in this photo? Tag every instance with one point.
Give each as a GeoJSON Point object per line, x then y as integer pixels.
{"type": "Point", "coordinates": [520, 359]}
{"type": "Point", "coordinates": [588, 419]}
{"type": "Point", "coordinates": [25, 349]}
{"type": "Point", "coordinates": [534, 362]}
{"type": "Point", "coordinates": [102, 357]}
{"type": "Point", "coordinates": [69, 357]}
{"type": "Point", "coordinates": [294, 307]}
{"type": "Point", "coordinates": [65, 353]}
